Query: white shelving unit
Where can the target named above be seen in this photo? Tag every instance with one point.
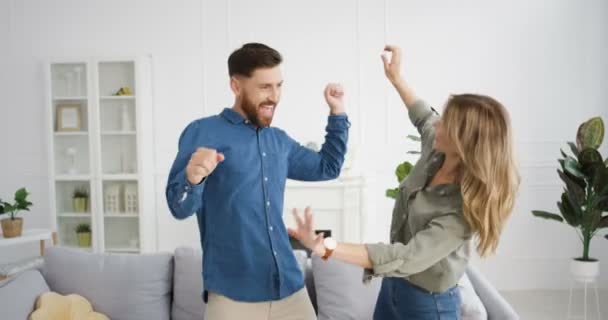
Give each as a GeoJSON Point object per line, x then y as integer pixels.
{"type": "Point", "coordinates": [99, 148]}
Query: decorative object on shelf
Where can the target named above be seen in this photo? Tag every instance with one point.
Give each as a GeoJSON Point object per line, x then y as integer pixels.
{"type": "Point", "coordinates": [124, 91]}
{"type": "Point", "coordinates": [83, 232]}
{"type": "Point", "coordinates": [80, 199]}
{"type": "Point", "coordinates": [13, 226]}
{"type": "Point", "coordinates": [130, 197]}
{"type": "Point", "coordinates": [68, 117]}
{"type": "Point", "coordinates": [584, 201]}
{"type": "Point", "coordinates": [71, 152]}
{"type": "Point", "coordinates": [125, 118]}
{"type": "Point", "coordinates": [403, 170]}
{"type": "Point", "coordinates": [111, 198]}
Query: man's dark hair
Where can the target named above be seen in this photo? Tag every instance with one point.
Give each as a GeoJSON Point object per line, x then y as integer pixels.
{"type": "Point", "coordinates": [251, 56]}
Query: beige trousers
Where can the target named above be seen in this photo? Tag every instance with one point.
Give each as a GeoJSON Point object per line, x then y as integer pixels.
{"type": "Point", "coordinates": [295, 307]}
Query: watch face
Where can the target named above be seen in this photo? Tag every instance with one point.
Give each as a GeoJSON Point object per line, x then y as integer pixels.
{"type": "Point", "coordinates": [330, 243]}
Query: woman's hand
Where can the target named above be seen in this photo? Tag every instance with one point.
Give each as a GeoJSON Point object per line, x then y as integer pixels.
{"type": "Point", "coordinates": [392, 67]}
{"type": "Point", "coordinates": [305, 232]}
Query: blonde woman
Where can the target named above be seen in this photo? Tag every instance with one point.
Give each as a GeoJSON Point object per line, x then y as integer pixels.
{"type": "Point", "coordinates": [462, 187]}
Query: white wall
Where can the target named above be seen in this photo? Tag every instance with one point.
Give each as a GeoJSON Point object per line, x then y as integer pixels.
{"type": "Point", "coordinates": [546, 61]}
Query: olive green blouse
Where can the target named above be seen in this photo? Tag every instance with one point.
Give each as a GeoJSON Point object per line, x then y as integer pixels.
{"type": "Point", "coordinates": [430, 239]}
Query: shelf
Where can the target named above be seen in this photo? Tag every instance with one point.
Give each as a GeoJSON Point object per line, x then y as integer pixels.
{"type": "Point", "coordinates": [69, 98]}
{"type": "Point", "coordinates": [67, 177]}
{"type": "Point", "coordinates": [75, 215]}
{"type": "Point", "coordinates": [123, 250]}
{"type": "Point", "coordinates": [119, 133]}
{"type": "Point", "coordinates": [71, 133]}
{"type": "Point", "coordinates": [117, 97]}
{"type": "Point", "coordinates": [27, 235]}
{"type": "Point", "coordinates": [120, 177]}
{"type": "Point", "coordinates": [121, 215]}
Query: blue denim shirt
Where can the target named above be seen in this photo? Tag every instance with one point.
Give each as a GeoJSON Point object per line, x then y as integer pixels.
{"type": "Point", "coordinates": [246, 251]}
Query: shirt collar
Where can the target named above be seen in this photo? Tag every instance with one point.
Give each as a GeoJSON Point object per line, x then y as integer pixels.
{"type": "Point", "coordinates": [232, 116]}
{"type": "Point", "coordinates": [435, 162]}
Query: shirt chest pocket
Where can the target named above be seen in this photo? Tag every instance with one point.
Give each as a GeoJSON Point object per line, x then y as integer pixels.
{"type": "Point", "coordinates": [275, 166]}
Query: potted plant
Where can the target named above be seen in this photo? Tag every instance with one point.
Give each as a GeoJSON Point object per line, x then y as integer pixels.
{"type": "Point", "coordinates": [402, 170]}
{"type": "Point", "coordinates": [83, 232]}
{"type": "Point", "coordinates": [13, 226]}
{"type": "Point", "coordinates": [585, 198]}
{"type": "Point", "coordinates": [80, 199]}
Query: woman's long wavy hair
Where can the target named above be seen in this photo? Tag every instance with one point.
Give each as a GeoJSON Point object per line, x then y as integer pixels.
{"type": "Point", "coordinates": [480, 129]}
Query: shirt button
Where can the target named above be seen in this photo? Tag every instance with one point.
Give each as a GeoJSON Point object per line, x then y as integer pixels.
{"type": "Point", "coordinates": [270, 228]}
{"type": "Point", "coordinates": [275, 253]}
{"type": "Point", "coordinates": [268, 203]}
{"type": "Point", "coordinates": [266, 179]}
{"type": "Point", "coordinates": [263, 154]}
{"type": "Point", "coordinates": [246, 121]}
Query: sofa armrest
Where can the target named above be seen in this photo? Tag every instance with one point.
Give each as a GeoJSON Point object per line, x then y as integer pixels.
{"type": "Point", "coordinates": [495, 303]}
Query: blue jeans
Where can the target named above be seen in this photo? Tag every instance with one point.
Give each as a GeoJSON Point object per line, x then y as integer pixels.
{"type": "Point", "coordinates": [400, 300]}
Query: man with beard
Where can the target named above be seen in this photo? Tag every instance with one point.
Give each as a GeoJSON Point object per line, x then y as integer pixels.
{"type": "Point", "coordinates": [230, 171]}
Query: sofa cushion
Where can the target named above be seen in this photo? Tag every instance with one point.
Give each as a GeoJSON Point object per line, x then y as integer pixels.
{"type": "Point", "coordinates": [120, 286]}
{"type": "Point", "coordinates": [471, 308]}
{"type": "Point", "coordinates": [18, 294]}
{"type": "Point", "coordinates": [306, 267]}
{"type": "Point", "coordinates": [188, 285]}
{"type": "Point", "coordinates": [341, 293]}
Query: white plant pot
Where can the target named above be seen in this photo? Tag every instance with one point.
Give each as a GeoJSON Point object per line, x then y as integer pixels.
{"type": "Point", "coordinates": [585, 271]}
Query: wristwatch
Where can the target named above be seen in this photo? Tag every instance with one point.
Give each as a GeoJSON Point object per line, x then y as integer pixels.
{"type": "Point", "coordinates": [330, 245]}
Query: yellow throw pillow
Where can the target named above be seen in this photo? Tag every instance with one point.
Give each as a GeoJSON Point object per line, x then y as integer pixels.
{"type": "Point", "coordinates": [53, 306]}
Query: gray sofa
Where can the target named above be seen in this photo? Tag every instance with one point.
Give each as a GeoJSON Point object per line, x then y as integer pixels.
{"type": "Point", "coordinates": [167, 286]}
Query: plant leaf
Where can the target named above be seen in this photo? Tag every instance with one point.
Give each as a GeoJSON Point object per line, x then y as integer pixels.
{"type": "Point", "coordinates": [590, 134]}
{"type": "Point", "coordinates": [414, 138]}
{"type": "Point", "coordinates": [21, 195]}
{"type": "Point", "coordinates": [571, 215]}
{"type": "Point", "coordinates": [591, 220]}
{"type": "Point", "coordinates": [574, 148]}
{"type": "Point", "coordinates": [547, 215]}
{"type": "Point", "coordinates": [572, 186]}
{"type": "Point", "coordinates": [392, 193]}
{"type": "Point", "coordinates": [573, 168]}
{"type": "Point", "coordinates": [589, 156]}
{"type": "Point", "coordinates": [403, 170]}
{"type": "Point", "coordinates": [599, 178]}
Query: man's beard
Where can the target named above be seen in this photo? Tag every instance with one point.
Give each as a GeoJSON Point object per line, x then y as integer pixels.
{"type": "Point", "coordinates": [253, 112]}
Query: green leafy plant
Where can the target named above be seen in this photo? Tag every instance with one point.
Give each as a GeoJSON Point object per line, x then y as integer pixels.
{"type": "Point", "coordinates": [83, 228]}
{"type": "Point", "coordinates": [585, 175]}
{"type": "Point", "coordinates": [81, 192]}
{"type": "Point", "coordinates": [21, 204]}
{"type": "Point", "coordinates": [402, 170]}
